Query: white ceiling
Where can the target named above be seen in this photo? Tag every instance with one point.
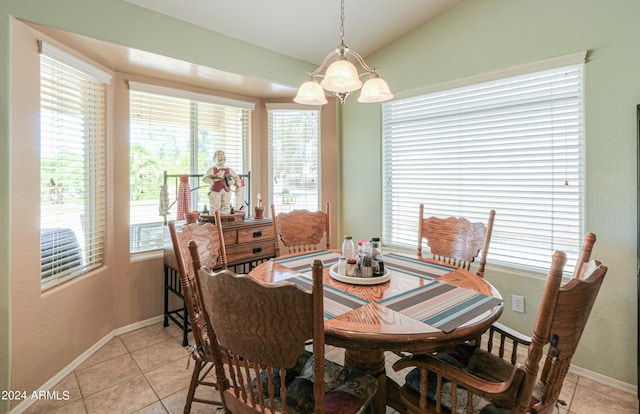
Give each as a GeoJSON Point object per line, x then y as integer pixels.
{"type": "Point", "coordinates": [305, 29]}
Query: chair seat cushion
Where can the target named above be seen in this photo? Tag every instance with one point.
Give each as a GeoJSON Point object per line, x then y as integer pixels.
{"type": "Point", "coordinates": [477, 362]}
{"type": "Point", "coordinates": [489, 367]}
{"type": "Point", "coordinates": [347, 391]}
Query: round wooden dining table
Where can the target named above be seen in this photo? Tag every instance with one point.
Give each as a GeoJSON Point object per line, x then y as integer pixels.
{"type": "Point", "coordinates": [423, 307]}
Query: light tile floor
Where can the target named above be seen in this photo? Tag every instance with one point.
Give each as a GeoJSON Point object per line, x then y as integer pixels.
{"type": "Point", "coordinates": [145, 371]}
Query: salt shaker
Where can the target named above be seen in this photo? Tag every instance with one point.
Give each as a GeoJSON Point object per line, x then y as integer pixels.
{"type": "Point", "coordinates": [342, 266]}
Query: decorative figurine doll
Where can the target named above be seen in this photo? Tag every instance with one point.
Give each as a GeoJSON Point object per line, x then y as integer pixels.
{"type": "Point", "coordinates": [222, 180]}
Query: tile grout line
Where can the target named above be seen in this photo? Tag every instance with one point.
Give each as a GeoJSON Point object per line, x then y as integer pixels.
{"type": "Point", "coordinates": [84, 404]}
{"type": "Point", "coordinates": [144, 375]}
{"type": "Point", "coordinates": [573, 394]}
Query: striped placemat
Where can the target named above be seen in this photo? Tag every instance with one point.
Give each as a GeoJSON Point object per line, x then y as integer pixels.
{"type": "Point", "coordinates": [414, 267]}
{"type": "Point", "coordinates": [302, 263]}
{"type": "Point", "coordinates": [403, 264]}
{"type": "Point", "coordinates": [441, 305]}
{"type": "Point", "coordinates": [336, 301]}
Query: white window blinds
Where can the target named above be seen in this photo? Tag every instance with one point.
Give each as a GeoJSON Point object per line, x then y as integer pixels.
{"type": "Point", "coordinates": [72, 166]}
{"type": "Point", "coordinates": [514, 145]}
{"type": "Point", "coordinates": [294, 158]}
{"type": "Point", "coordinates": [178, 132]}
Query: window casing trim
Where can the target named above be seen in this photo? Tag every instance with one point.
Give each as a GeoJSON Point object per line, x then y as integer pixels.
{"type": "Point", "coordinates": [538, 66]}
{"type": "Point", "coordinates": [76, 63]}
{"type": "Point", "coordinates": [194, 96]}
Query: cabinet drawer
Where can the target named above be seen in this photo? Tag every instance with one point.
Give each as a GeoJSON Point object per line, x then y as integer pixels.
{"type": "Point", "coordinates": [247, 252]}
{"type": "Point", "coordinates": [254, 234]}
{"type": "Point", "coordinates": [230, 237]}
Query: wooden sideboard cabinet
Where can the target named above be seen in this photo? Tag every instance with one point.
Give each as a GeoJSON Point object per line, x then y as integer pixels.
{"type": "Point", "coordinates": [247, 243]}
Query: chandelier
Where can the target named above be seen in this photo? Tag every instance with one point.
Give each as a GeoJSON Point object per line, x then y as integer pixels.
{"type": "Point", "coordinates": [342, 77]}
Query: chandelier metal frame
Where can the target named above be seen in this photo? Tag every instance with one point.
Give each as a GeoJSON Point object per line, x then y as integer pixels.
{"type": "Point", "coordinates": [374, 90]}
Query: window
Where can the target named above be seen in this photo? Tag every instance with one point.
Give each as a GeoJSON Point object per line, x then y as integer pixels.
{"type": "Point", "coordinates": [294, 157]}
{"type": "Point", "coordinates": [72, 166]}
{"type": "Point", "coordinates": [514, 145]}
{"type": "Point", "coordinates": [178, 132]}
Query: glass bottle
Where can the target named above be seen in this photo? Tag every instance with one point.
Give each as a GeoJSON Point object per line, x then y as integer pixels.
{"type": "Point", "coordinates": [342, 266]}
{"type": "Point", "coordinates": [377, 261]}
{"type": "Point", "coordinates": [348, 248]}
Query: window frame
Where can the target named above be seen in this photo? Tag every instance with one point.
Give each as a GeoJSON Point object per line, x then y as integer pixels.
{"type": "Point", "coordinates": [73, 112]}
{"type": "Point", "coordinates": [195, 101]}
{"type": "Point", "coordinates": [539, 262]}
{"type": "Point", "coordinates": [278, 201]}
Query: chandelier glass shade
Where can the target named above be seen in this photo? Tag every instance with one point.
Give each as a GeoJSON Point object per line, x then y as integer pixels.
{"type": "Point", "coordinates": [375, 90]}
{"type": "Point", "coordinates": [310, 93]}
{"type": "Point", "coordinates": [342, 78]}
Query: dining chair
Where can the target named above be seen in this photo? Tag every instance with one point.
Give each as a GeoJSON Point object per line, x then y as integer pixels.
{"type": "Point", "coordinates": [301, 230]}
{"type": "Point", "coordinates": [262, 330]}
{"type": "Point", "coordinates": [195, 245]}
{"type": "Point", "coordinates": [455, 240]}
{"type": "Point", "coordinates": [469, 379]}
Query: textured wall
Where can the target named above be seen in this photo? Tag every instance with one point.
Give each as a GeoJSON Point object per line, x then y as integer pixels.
{"type": "Point", "coordinates": [477, 37]}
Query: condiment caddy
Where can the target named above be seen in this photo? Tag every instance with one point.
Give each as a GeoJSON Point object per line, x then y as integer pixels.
{"type": "Point", "coordinates": [362, 266]}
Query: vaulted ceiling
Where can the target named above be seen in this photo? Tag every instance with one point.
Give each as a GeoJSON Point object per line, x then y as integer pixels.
{"type": "Point", "coordinates": [305, 29]}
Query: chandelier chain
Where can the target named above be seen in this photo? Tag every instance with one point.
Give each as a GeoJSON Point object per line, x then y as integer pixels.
{"type": "Point", "coordinates": [341, 21]}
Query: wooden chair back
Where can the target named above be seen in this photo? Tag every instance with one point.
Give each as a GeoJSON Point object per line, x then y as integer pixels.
{"type": "Point", "coordinates": [210, 253]}
{"type": "Point", "coordinates": [561, 319]}
{"type": "Point", "coordinates": [210, 241]}
{"type": "Point", "coordinates": [571, 311]}
{"type": "Point", "coordinates": [190, 244]}
{"type": "Point", "coordinates": [301, 230]}
{"type": "Point", "coordinates": [585, 253]}
{"type": "Point", "coordinates": [260, 327]}
{"type": "Point", "coordinates": [455, 240]}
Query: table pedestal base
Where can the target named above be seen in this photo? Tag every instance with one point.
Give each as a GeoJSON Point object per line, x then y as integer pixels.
{"type": "Point", "coordinates": [373, 363]}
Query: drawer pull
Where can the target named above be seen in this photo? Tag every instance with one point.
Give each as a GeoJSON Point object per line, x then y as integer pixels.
{"type": "Point", "coordinates": [257, 249]}
{"type": "Point", "coordinates": [257, 234]}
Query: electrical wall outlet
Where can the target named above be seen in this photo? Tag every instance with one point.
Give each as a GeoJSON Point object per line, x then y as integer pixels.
{"type": "Point", "coordinates": [517, 303]}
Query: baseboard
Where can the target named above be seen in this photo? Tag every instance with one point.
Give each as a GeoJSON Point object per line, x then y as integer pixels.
{"type": "Point", "coordinates": [603, 379]}
{"type": "Point", "coordinates": [137, 325]}
{"type": "Point", "coordinates": [20, 408]}
{"type": "Point", "coordinates": [582, 372]}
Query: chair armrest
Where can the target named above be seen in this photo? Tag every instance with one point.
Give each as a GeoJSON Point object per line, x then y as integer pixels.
{"type": "Point", "coordinates": [511, 333]}
{"type": "Point", "coordinates": [479, 386]}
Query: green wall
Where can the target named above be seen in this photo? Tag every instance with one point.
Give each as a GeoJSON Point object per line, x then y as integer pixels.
{"type": "Point", "coordinates": [477, 37]}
